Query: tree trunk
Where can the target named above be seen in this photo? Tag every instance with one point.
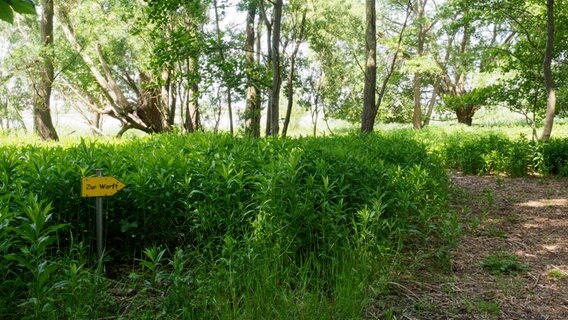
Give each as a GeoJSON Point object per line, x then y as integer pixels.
{"type": "Point", "coordinates": [290, 90]}
{"type": "Point", "coordinates": [269, 92]}
{"type": "Point", "coordinates": [43, 123]}
{"type": "Point", "coordinates": [168, 95]}
{"type": "Point", "coordinates": [192, 120]}
{"type": "Point", "coordinates": [370, 113]}
{"type": "Point", "coordinates": [417, 114]}
{"type": "Point", "coordinates": [150, 109]}
{"type": "Point", "coordinates": [290, 96]}
{"type": "Point", "coordinates": [192, 114]}
{"type": "Point", "coordinates": [369, 105]}
{"type": "Point", "coordinates": [172, 104]}
{"type": "Point", "coordinates": [547, 70]}
{"type": "Point", "coordinates": [465, 115]}
{"type": "Point", "coordinates": [275, 101]}
{"type": "Point", "coordinates": [97, 124]}
{"type": "Point", "coordinates": [121, 108]}
{"type": "Point", "coordinates": [432, 103]}
{"type": "Point", "coordinates": [252, 112]}
{"type": "Point", "coordinates": [222, 55]}
{"type": "Point", "coordinates": [315, 108]}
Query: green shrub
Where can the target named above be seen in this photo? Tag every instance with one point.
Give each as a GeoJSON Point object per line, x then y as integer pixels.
{"type": "Point", "coordinates": [488, 153]}
{"type": "Point", "coordinates": [556, 156]}
{"type": "Point", "coordinates": [239, 220]}
{"type": "Point", "coordinates": [477, 154]}
{"type": "Point", "coordinates": [189, 190]}
{"type": "Point", "coordinates": [38, 281]}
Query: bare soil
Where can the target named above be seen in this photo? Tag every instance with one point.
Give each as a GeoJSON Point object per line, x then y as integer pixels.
{"type": "Point", "coordinates": [523, 218]}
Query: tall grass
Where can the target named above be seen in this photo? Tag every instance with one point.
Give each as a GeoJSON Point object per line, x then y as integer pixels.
{"type": "Point", "coordinates": [212, 226]}
{"type": "Point", "coordinates": [491, 152]}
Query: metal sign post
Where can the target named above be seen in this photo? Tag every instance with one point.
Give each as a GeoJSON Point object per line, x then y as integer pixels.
{"type": "Point", "coordinates": [99, 217]}
{"type": "Point", "coordinates": [100, 187]}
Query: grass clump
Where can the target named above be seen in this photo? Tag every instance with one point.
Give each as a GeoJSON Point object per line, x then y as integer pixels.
{"type": "Point", "coordinates": [483, 307]}
{"type": "Point", "coordinates": [503, 263]}
{"type": "Point", "coordinates": [557, 274]}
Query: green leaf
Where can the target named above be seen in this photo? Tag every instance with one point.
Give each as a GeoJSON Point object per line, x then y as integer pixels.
{"type": "Point", "coordinates": [6, 13]}
{"type": "Point", "coordinates": [23, 6]}
{"type": "Point", "coordinates": [13, 257]}
{"type": "Point", "coordinates": [61, 284]}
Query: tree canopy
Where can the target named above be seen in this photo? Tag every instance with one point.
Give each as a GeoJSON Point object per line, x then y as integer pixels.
{"type": "Point", "coordinates": [162, 65]}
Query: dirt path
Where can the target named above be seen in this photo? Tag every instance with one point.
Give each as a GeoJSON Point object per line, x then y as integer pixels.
{"type": "Point", "coordinates": [510, 263]}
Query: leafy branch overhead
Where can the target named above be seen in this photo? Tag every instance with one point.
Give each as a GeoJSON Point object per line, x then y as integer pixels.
{"type": "Point", "coordinates": [7, 8]}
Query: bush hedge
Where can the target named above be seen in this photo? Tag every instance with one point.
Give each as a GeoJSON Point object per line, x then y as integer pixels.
{"type": "Point", "coordinates": [494, 153]}
{"type": "Point", "coordinates": [310, 213]}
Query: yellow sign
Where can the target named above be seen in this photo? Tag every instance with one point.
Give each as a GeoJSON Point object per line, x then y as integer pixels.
{"type": "Point", "coordinates": [100, 186]}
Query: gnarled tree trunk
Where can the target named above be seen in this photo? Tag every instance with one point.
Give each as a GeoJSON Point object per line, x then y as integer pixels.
{"type": "Point", "coordinates": [150, 106]}
{"type": "Point", "coordinates": [147, 114]}
{"type": "Point", "coordinates": [465, 114]}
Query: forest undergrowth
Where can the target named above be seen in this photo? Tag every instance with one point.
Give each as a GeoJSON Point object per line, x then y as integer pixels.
{"type": "Point", "coordinates": [211, 226]}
